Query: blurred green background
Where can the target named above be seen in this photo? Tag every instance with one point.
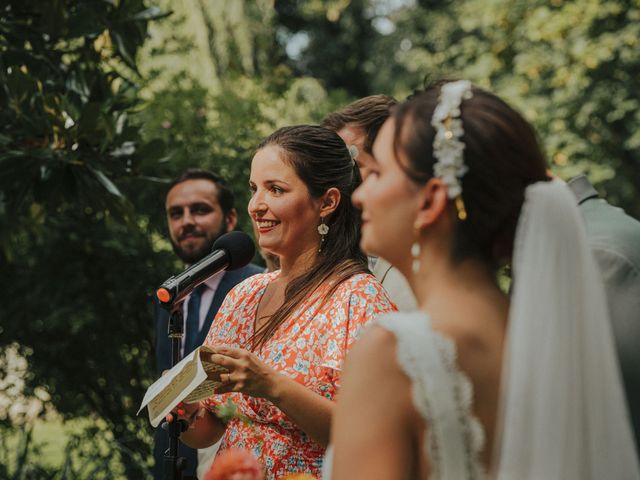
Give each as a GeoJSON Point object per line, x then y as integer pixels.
{"type": "Point", "coordinates": [101, 102]}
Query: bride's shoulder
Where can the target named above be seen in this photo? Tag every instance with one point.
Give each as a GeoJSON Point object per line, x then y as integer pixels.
{"type": "Point", "coordinates": [376, 350]}
{"type": "Point", "coordinates": [395, 321]}
{"type": "Point", "coordinates": [372, 365]}
{"type": "Point", "coordinates": [381, 347]}
{"type": "Point", "coordinates": [476, 344]}
{"type": "Point", "coordinates": [376, 338]}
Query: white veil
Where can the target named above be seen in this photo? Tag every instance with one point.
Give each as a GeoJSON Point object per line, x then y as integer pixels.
{"type": "Point", "coordinates": [562, 414]}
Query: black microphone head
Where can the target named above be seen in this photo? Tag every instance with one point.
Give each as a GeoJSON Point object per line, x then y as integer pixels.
{"type": "Point", "coordinates": [238, 246]}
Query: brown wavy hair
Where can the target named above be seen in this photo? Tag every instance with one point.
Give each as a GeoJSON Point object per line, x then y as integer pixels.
{"type": "Point", "coordinates": [322, 161]}
{"type": "Point", "coordinates": [368, 113]}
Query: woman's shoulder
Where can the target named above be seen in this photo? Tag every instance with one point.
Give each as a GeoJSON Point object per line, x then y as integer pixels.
{"type": "Point", "coordinates": [258, 279]}
{"type": "Point", "coordinates": [366, 287]}
{"type": "Point", "coordinates": [362, 282]}
{"type": "Point", "coordinates": [252, 284]}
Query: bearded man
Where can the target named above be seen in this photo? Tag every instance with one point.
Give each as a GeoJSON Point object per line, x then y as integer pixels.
{"type": "Point", "coordinates": [199, 206]}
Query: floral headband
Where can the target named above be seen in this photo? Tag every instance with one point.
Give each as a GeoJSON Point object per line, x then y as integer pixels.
{"type": "Point", "coordinates": [448, 149]}
{"type": "Point", "coordinates": [353, 153]}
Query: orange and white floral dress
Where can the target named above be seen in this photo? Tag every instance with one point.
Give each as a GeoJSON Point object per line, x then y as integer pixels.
{"type": "Point", "coordinates": [309, 347]}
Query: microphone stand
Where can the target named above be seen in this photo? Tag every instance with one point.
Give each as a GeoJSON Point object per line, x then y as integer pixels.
{"type": "Point", "coordinates": [171, 294]}
{"type": "Point", "coordinates": [173, 464]}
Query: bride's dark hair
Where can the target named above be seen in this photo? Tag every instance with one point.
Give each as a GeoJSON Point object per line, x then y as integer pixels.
{"type": "Point", "coordinates": [503, 157]}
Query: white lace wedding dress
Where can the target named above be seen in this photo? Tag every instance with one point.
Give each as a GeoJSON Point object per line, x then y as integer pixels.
{"type": "Point", "coordinates": [441, 393]}
{"type": "Point", "coordinates": [562, 412]}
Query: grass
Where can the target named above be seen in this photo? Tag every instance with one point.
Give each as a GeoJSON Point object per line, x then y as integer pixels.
{"type": "Point", "coordinates": [53, 436]}
{"type": "Point", "coordinates": [50, 437]}
{"type": "Point", "coordinates": [49, 450]}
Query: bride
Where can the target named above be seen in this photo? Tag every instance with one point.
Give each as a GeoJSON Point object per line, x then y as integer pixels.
{"type": "Point", "coordinates": [477, 383]}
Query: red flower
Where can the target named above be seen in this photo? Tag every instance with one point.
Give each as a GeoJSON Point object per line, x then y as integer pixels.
{"type": "Point", "coordinates": [298, 476]}
{"type": "Point", "coordinates": [235, 464]}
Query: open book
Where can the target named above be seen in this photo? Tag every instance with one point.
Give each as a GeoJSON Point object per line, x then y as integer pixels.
{"type": "Point", "coordinates": [186, 382]}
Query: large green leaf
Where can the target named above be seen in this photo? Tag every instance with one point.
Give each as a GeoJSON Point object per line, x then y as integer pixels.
{"type": "Point", "coordinates": [105, 182]}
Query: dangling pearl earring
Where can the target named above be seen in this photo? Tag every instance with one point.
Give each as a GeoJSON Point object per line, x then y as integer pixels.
{"type": "Point", "coordinates": [323, 229]}
{"type": "Point", "coordinates": [415, 254]}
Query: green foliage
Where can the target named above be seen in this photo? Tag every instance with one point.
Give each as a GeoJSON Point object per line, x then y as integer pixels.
{"type": "Point", "coordinates": [334, 39]}
{"type": "Point", "coordinates": [89, 453]}
{"type": "Point", "coordinates": [20, 465]}
{"type": "Point", "coordinates": [571, 67]}
{"type": "Point", "coordinates": [69, 238]}
{"type": "Point", "coordinates": [65, 103]}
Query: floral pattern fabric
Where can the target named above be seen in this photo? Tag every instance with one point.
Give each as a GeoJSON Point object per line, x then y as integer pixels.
{"type": "Point", "coordinates": [309, 347]}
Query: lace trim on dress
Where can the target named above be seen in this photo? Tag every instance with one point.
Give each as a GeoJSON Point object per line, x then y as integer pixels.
{"type": "Point", "coordinates": [463, 392]}
{"type": "Point", "coordinates": [443, 395]}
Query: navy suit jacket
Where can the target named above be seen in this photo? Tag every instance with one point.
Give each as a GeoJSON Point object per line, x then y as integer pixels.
{"type": "Point", "coordinates": [163, 359]}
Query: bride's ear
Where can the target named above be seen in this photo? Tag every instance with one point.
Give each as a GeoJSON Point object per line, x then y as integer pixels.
{"type": "Point", "coordinates": [433, 201]}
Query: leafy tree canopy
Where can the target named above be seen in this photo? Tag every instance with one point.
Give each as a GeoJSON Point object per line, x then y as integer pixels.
{"type": "Point", "coordinates": [571, 67]}
{"type": "Point", "coordinates": [102, 103]}
{"type": "Point", "coordinates": [71, 246]}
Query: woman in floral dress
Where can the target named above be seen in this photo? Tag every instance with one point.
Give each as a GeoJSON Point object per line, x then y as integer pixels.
{"type": "Point", "coordinates": [283, 336]}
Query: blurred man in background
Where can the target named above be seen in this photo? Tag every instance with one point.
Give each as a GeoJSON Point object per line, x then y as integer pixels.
{"type": "Point", "coordinates": [614, 238]}
{"type": "Point", "coordinates": [358, 125]}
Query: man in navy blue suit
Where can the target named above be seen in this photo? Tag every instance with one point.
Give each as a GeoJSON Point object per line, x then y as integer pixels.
{"type": "Point", "coordinates": [199, 207]}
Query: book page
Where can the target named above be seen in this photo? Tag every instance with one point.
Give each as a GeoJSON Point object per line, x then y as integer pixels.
{"type": "Point", "coordinates": [162, 404]}
{"type": "Point", "coordinates": [206, 388]}
{"type": "Point", "coordinates": [187, 381]}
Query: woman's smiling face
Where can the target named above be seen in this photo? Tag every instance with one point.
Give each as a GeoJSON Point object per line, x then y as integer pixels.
{"type": "Point", "coordinates": [285, 214]}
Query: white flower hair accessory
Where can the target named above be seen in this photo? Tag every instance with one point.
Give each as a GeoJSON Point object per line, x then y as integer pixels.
{"type": "Point", "coordinates": [448, 149]}
{"type": "Point", "coordinates": [353, 152]}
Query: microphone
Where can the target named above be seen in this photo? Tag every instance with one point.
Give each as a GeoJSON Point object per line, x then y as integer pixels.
{"type": "Point", "coordinates": [230, 251]}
